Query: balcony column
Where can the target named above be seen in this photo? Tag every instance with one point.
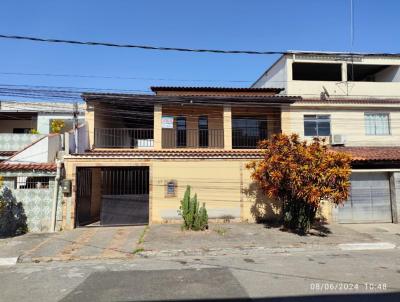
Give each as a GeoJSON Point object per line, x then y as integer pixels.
{"type": "Point", "coordinates": [227, 127]}
{"type": "Point", "coordinates": [285, 120]}
{"type": "Point", "coordinates": [157, 134]}
{"type": "Point", "coordinates": [89, 117]}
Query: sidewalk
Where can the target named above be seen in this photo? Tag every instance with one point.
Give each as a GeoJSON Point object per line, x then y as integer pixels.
{"type": "Point", "coordinates": [167, 240]}
{"type": "Point", "coordinates": [79, 244]}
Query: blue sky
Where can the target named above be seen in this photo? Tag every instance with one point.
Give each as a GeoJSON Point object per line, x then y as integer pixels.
{"type": "Point", "coordinates": [224, 24]}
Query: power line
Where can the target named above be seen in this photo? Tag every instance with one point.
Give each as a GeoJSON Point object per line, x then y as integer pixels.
{"type": "Point", "coordinates": [121, 78]}
{"type": "Point", "coordinates": [179, 49]}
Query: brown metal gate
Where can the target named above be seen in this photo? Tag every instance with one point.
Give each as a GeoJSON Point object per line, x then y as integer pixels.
{"type": "Point", "coordinates": [125, 196]}
{"type": "Point", "coordinates": [120, 195]}
{"type": "Point", "coordinates": [83, 196]}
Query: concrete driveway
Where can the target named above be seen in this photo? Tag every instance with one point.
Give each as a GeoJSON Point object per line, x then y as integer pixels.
{"type": "Point", "coordinates": [79, 244]}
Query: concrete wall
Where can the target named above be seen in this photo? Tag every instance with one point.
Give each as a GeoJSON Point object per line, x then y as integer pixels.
{"type": "Point", "coordinates": [395, 196]}
{"type": "Point", "coordinates": [44, 120]}
{"type": "Point", "coordinates": [42, 151]}
{"type": "Point", "coordinates": [15, 142]}
{"type": "Point", "coordinates": [274, 77]}
{"type": "Point", "coordinates": [37, 203]}
{"type": "Point", "coordinates": [342, 88]}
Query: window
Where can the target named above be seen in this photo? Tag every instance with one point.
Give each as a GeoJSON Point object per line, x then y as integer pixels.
{"type": "Point", "coordinates": [181, 131]}
{"type": "Point", "coordinates": [377, 124]}
{"type": "Point", "coordinates": [317, 125]}
{"type": "Point", "coordinates": [247, 132]}
{"type": "Point", "coordinates": [203, 131]}
{"type": "Point", "coordinates": [32, 182]}
{"type": "Point", "coordinates": [170, 188]}
{"type": "Point", "coordinates": [22, 130]}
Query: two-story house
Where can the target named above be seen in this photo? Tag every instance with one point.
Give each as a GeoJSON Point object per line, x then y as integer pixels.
{"type": "Point", "coordinates": [145, 149]}
{"type": "Point", "coordinates": [354, 102]}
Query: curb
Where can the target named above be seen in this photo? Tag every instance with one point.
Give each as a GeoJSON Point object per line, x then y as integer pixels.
{"type": "Point", "coordinates": [7, 261]}
{"type": "Point", "coordinates": [366, 246]}
{"type": "Point", "coordinates": [266, 250]}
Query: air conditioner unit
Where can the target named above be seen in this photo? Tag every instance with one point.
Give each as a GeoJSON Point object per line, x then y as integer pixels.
{"type": "Point", "coordinates": [337, 139]}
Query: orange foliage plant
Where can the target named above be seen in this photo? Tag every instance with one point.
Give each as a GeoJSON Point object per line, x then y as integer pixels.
{"type": "Point", "coordinates": [300, 175]}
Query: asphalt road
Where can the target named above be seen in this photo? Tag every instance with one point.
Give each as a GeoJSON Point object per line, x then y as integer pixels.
{"type": "Point", "coordinates": [299, 276]}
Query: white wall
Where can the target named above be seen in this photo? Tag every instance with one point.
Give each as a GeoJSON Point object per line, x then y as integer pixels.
{"type": "Point", "coordinates": [43, 151]}
{"type": "Point", "coordinates": [43, 121]}
{"type": "Point", "coordinates": [275, 77]}
{"type": "Point", "coordinates": [282, 70]}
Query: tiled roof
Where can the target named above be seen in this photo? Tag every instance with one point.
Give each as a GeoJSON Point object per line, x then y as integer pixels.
{"type": "Point", "coordinates": [358, 154]}
{"type": "Point", "coordinates": [351, 100]}
{"type": "Point", "coordinates": [172, 153]}
{"type": "Point", "coordinates": [362, 154]}
{"type": "Point", "coordinates": [49, 167]}
{"type": "Point", "coordinates": [215, 89]}
{"type": "Point", "coordinates": [7, 153]}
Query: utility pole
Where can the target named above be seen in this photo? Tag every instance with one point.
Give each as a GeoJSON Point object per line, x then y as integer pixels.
{"type": "Point", "coordinates": [76, 113]}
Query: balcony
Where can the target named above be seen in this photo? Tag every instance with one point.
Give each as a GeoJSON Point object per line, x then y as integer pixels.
{"type": "Point", "coordinates": [193, 138]}
{"type": "Point", "coordinates": [140, 138]}
{"type": "Point", "coordinates": [247, 137]}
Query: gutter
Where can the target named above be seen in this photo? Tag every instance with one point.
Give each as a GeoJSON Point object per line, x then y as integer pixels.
{"type": "Point", "coordinates": [55, 197]}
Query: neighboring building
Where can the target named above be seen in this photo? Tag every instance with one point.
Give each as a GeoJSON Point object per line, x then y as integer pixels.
{"type": "Point", "coordinates": [28, 161]}
{"type": "Point", "coordinates": [145, 149]}
{"type": "Point", "coordinates": [322, 75]}
{"type": "Point", "coordinates": [354, 102]}
{"type": "Point", "coordinates": [23, 117]}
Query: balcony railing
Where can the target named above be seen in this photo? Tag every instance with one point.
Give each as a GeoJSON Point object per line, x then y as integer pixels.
{"type": "Point", "coordinates": [123, 138]}
{"type": "Point", "coordinates": [193, 138]}
{"type": "Point", "coordinates": [247, 138]}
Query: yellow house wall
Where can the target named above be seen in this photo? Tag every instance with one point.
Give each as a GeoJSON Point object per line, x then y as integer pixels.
{"type": "Point", "coordinates": [224, 186]}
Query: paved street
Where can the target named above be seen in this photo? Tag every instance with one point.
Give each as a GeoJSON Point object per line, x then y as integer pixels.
{"type": "Point", "coordinates": [265, 277]}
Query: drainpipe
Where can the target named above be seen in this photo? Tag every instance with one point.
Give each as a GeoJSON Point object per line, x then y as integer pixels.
{"type": "Point", "coordinates": [55, 196]}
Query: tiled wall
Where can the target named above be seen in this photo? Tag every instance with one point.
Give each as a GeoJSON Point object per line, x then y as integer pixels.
{"type": "Point", "coordinates": [37, 203]}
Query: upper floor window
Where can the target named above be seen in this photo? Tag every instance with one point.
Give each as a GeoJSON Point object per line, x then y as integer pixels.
{"type": "Point", "coordinates": [377, 124]}
{"type": "Point", "coordinates": [248, 131]}
{"type": "Point", "coordinates": [317, 125]}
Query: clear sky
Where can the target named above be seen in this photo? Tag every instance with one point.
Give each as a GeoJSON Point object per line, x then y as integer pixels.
{"type": "Point", "coordinates": [222, 24]}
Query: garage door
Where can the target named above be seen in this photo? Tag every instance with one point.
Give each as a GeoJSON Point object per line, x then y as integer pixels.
{"type": "Point", "coordinates": [125, 196]}
{"type": "Point", "coordinates": [369, 199]}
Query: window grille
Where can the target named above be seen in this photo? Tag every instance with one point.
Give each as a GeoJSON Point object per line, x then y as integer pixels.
{"type": "Point", "coordinates": [32, 182]}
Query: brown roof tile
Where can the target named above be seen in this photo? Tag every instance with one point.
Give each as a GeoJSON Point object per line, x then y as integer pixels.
{"type": "Point", "coordinates": [214, 89]}
{"type": "Point", "coordinates": [7, 153]}
{"type": "Point", "coordinates": [358, 154]}
{"type": "Point", "coordinates": [371, 153]}
{"type": "Point", "coordinates": [172, 153]}
{"type": "Point", "coordinates": [49, 167]}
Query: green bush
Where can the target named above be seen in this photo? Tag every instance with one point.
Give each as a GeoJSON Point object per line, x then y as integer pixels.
{"type": "Point", "coordinates": [194, 217]}
{"type": "Point", "coordinates": [12, 215]}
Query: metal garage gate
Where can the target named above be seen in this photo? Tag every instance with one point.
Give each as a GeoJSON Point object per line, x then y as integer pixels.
{"type": "Point", "coordinates": [125, 196]}
{"type": "Point", "coordinates": [369, 199]}
{"type": "Point", "coordinates": [112, 195]}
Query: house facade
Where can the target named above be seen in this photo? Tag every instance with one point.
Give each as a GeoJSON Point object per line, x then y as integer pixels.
{"type": "Point", "coordinates": [352, 101]}
{"type": "Point", "coordinates": [144, 150]}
